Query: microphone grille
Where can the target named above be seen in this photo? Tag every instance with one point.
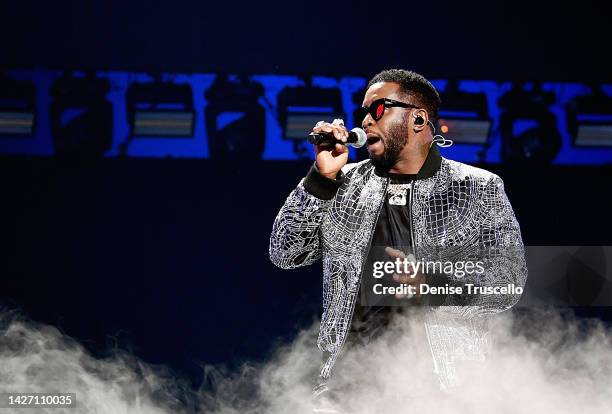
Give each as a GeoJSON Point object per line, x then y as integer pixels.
{"type": "Point", "coordinates": [362, 137]}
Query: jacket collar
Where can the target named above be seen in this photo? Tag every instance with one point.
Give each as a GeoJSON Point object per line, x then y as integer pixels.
{"type": "Point", "coordinates": [428, 169]}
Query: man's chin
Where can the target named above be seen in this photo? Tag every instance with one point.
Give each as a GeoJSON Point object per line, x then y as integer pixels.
{"type": "Point", "coordinates": [380, 162]}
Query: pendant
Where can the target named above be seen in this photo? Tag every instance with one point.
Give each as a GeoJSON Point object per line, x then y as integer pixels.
{"type": "Point", "coordinates": [398, 199]}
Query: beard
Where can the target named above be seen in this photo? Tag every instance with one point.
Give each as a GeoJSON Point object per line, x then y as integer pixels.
{"type": "Point", "coordinates": [395, 140]}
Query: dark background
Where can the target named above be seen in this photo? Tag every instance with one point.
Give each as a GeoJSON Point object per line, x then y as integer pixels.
{"type": "Point", "coordinates": [168, 257]}
{"type": "Point", "coordinates": [510, 40]}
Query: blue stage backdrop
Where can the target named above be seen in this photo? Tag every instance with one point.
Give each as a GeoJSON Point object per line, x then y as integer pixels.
{"type": "Point", "coordinates": [267, 117]}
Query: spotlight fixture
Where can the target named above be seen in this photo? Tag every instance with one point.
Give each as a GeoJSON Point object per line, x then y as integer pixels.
{"type": "Point", "coordinates": [464, 116]}
{"type": "Point", "coordinates": [300, 108]}
{"type": "Point", "coordinates": [589, 119]}
{"type": "Point", "coordinates": [160, 109]}
{"type": "Point", "coordinates": [235, 119]}
{"type": "Point", "coordinates": [528, 128]}
{"type": "Point", "coordinates": [81, 116]}
{"type": "Point", "coordinates": [17, 107]}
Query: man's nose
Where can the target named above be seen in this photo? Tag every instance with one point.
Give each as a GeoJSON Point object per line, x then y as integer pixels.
{"type": "Point", "coordinates": [367, 121]}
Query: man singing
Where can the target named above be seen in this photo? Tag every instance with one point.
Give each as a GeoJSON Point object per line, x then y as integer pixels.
{"type": "Point", "coordinates": [404, 201]}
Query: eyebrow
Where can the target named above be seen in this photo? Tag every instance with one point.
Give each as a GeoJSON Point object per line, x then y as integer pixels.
{"type": "Point", "coordinates": [375, 98]}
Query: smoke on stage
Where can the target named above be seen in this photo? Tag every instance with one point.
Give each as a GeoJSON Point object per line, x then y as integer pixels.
{"type": "Point", "coordinates": [545, 362]}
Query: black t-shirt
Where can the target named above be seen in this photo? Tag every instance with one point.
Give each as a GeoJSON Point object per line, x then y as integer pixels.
{"type": "Point", "coordinates": [392, 230]}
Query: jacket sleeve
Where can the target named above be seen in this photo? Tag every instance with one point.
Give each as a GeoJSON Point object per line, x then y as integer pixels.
{"type": "Point", "coordinates": [501, 253]}
{"type": "Point", "coordinates": [295, 239]}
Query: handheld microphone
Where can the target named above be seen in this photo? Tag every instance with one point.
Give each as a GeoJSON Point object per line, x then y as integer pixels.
{"type": "Point", "coordinates": [356, 139]}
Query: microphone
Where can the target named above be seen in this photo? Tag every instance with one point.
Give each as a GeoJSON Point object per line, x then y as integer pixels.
{"type": "Point", "coordinates": [356, 139]}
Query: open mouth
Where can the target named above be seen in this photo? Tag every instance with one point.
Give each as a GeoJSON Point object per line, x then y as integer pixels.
{"type": "Point", "coordinates": [372, 139]}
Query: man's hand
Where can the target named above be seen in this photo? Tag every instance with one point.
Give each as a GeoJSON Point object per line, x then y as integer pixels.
{"type": "Point", "coordinates": [409, 278]}
{"type": "Point", "coordinates": [331, 160]}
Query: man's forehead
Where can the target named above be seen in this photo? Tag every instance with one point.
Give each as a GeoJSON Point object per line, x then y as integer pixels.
{"type": "Point", "coordinates": [381, 90]}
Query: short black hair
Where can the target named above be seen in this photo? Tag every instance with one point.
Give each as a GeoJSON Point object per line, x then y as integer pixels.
{"type": "Point", "coordinates": [414, 86]}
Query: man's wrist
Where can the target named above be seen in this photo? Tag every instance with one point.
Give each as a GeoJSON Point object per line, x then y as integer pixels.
{"type": "Point", "coordinates": [321, 185]}
{"type": "Point", "coordinates": [331, 176]}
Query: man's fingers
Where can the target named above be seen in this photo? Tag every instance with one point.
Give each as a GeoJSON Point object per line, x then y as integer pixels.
{"type": "Point", "coordinates": [395, 253]}
{"type": "Point", "coordinates": [339, 134]}
{"type": "Point", "coordinates": [403, 278]}
{"type": "Point", "coordinates": [339, 130]}
{"type": "Point", "coordinates": [336, 128]}
{"type": "Point", "coordinates": [327, 127]}
{"type": "Point", "coordinates": [323, 128]}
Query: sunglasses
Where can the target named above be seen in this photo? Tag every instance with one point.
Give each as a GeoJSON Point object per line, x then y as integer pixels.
{"type": "Point", "coordinates": [377, 109]}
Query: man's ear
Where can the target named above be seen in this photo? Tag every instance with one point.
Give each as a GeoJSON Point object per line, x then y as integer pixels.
{"type": "Point", "coordinates": [419, 119]}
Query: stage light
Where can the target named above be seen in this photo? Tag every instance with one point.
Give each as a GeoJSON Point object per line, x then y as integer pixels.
{"type": "Point", "coordinates": [235, 119]}
{"type": "Point", "coordinates": [589, 119]}
{"type": "Point", "coordinates": [300, 108]}
{"type": "Point", "coordinates": [17, 107]}
{"type": "Point", "coordinates": [527, 126]}
{"type": "Point", "coordinates": [160, 109]}
{"type": "Point", "coordinates": [81, 116]}
{"type": "Point", "coordinates": [464, 115]}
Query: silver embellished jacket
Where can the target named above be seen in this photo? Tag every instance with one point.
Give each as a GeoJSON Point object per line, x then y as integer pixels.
{"type": "Point", "coordinates": [457, 211]}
